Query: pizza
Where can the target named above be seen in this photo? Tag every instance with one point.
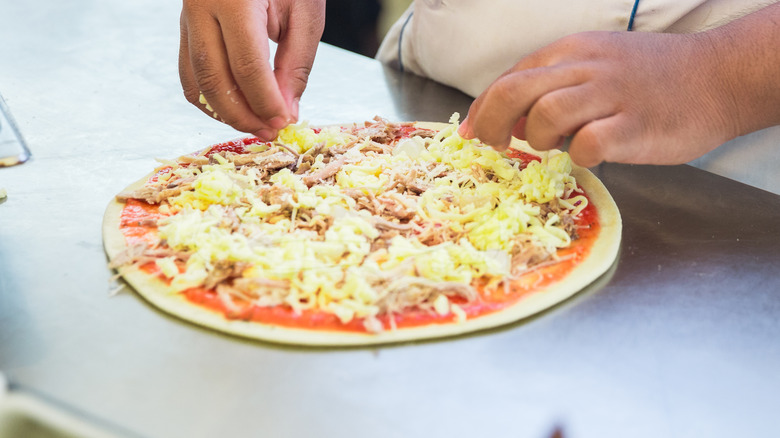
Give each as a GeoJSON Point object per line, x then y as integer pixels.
{"type": "Point", "coordinates": [359, 234]}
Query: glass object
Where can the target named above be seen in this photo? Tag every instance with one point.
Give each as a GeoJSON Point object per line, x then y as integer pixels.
{"type": "Point", "coordinates": [13, 150]}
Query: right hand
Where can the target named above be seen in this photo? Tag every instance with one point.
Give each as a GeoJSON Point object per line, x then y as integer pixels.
{"type": "Point", "coordinates": [224, 57]}
{"type": "Point", "coordinates": [638, 97]}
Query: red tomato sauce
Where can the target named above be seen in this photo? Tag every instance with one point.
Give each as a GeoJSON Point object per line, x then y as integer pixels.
{"type": "Point", "coordinates": [405, 131]}
{"type": "Point", "coordinates": [136, 222]}
{"type": "Point", "coordinates": [238, 146]}
{"type": "Point", "coordinates": [137, 215]}
{"type": "Point", "coordinates": [523, 157]}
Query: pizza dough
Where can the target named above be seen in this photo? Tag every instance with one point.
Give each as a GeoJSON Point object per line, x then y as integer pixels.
{"type": "Point", "coordinates": [599, 257]}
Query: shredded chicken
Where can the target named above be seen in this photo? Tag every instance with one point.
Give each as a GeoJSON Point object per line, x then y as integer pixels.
{"type": "Point", "coordinates": [157, 193]}
{"type": "Point", "coordinates": [276, 195]}
{"type": "Point", "coordinates": [142, 253]}
{"type": "Point", "coordinates": [527, 254]}
{"type": "Point", "coordinates": [198, 160]}
{"type": "Point", "coordinates": [326, 172]}
{"type": "Point", "coordinates": [222, 271]}
{"type": "Point", "coordinates": [275, 161]}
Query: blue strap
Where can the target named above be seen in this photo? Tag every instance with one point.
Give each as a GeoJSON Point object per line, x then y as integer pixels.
{"type": "Point", "coordinates": [401, 39]}
{"type": "Point", "coordinates": [633, 14]}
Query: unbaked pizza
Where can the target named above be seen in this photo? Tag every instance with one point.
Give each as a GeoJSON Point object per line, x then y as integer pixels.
{"type": "Point", "coordinates": [361, 234]}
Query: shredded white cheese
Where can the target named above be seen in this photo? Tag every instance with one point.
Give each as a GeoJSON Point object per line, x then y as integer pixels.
{"type": "Point", "coordinates": [482, 201]}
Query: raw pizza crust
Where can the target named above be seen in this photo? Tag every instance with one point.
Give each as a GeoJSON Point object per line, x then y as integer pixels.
{"type": "Point", "coordinates": [599, 259]}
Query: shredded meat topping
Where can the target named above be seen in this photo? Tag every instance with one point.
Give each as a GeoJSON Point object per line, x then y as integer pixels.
{"type": "Point", "coordinates": [326, 172]}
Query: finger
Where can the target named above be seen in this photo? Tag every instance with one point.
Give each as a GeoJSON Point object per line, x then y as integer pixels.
{"type": "Point", "coordinates": [188, 83]}
{"type": "Point", "coordinates": [296, 51]}
{"type": "Point", "coordinates": [519, 129]}
{"type": "Point", "coordinates": [567, 48]}
{"type": "Point", "coordinates": [543, 57]}
{"type": "Point", "coordinates": [246, 40]}
{"type": "Point", "coordinates": [186, 78]}
{"type": "Point", "coordinates": [562, 112]}
{"type": "Point", "coordinates": [613, 139]}
{"type": "Point", "coordinates": [214, 80]}
{"type": "Point", "coordinates": [494, 114]}
{"type": "Point", "coordinates": [465, 130]}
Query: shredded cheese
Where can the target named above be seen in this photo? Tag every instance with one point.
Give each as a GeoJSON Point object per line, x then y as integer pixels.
{"type": "Point", "coordinates": [318, 239]}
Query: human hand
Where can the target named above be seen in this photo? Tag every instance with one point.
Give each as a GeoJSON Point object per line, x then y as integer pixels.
{"type": "Point", "coordinates": [224, 57]}
{"type": "Point", "coordinates": [622, 96]}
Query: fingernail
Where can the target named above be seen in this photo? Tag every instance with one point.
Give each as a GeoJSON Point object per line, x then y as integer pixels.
{"type": "Point", "coordinates": [265, 134]}
{"type": "Point", "coordinates": [278, 122]}
{"type": "Point", "coordinates": [465, 129]}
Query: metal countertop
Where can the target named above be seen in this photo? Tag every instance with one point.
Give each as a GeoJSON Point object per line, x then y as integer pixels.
{"type": "Point", "coordinates": [678, 339]}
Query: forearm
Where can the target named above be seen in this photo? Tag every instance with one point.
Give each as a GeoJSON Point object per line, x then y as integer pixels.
{"type": "Point", "coordinates": [745, 57]}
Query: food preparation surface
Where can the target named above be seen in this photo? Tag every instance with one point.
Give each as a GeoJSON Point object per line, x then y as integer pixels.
{"type": "Point", "coordinates": [678, 339]}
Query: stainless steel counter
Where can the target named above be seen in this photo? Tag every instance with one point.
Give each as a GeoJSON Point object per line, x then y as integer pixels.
{"type": "Point", "coordinates": [679, 339]}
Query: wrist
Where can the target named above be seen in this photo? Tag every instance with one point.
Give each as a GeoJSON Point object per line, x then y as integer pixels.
{"type": "Point", "coordinates": [745, 64]}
